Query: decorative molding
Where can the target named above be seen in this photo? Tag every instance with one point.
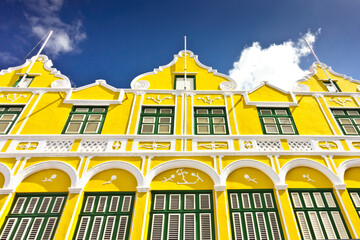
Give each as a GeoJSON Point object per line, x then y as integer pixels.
{"type": "Point", "coordinates": [165, 145]}
{"type": "Point", "coordinates": [208, 100]}
{"type": "Point", "coordinates": [14, 97]}
{"type": "Point", "coordinates": [154, 146]}
{"type": "Point", "coordinates": [212, 145]}
{"type": "Point", "coordinates": [340, 102]}
{"type": "Point", "coordinates": [142, 84]}
{"type": "Point", "coordinates": [158, 100]}
{"type": "Point", "coordinates": [301, 88]}
{"type": "Point", "coordinates": [226, 86]}
{"type": "Point", "coordinates": [183, 181]}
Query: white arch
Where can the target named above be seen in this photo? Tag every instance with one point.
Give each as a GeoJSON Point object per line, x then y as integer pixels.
{"type": "Point", "coordinates": [5, 170]}
{"type": "Point", "coordinates": [65, 167]}
{"type": "Point", "coordinates": [183, 164]}
{"type": "Point", "coordinates": [346, 165]}
{"type": "Point", "coordinates": [111, 165]}
{"type": "Point", "coordinates": [249, 163]}
{"type": "Point", "coordinates": [338, 183]}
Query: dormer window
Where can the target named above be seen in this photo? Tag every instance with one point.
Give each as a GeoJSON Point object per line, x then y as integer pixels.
{"type": "Point", "coordinates": [182, 84]}
{"type": "Point", "coordinates": [23, 83]}
{"type": "Point", "coordinates": [331, 86]}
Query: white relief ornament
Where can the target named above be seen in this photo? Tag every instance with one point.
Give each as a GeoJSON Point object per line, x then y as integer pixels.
{"type": "Point", "coordinates": [306, 176]}
{"type": "Point", "coordinates": [302, 88]}
{"type": "Point", "coordinates": [40, 59]}
{"type": "Point", "coordinates": [208, 100]}
{"type": "Point", "coordinates": [197, 177]}
{"type": "Point", "coordinates": [60, 84]}
{"type": "Point", "coordinates": [116, 146]}
{"type": "Point", "coordinates": [154, 146]}
{"type": "Point", "coordinates": [184, 181]}
{"type": "Point", "coordinates": [247, 177]}
{"type": "Point", "coordinates": [50, 179]}
{"type": "Point", "coordinates": [248, 145]}
{"type": "Point", "coordinates": [226, 86]}
{"type": "Point", "coordinates": [169, 179]}
{"type": "Point", "coordinates": [157, 99]}
{"type": "Point", "coordinates": [340, 102]}
{"type": "Point", "coordinates": [328, 145]}
{"type": "Point", "coordinates": [142, 84]}
{"type": "Point", "coordinates": [213, 145]}
{"type": "Point", "coordinates": [113, 178]}
{"type": "Point", "coordinates": [12, 96]}
{"type": "Point", "coordinates": [27, 146]}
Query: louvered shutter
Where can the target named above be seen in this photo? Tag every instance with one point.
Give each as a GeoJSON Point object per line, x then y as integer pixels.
{"type": "Point", "coordinates": [89, 204]}
{"type": "Point", "coordinates": [114, 204]}
{"type": "Point", "coordinates": [57, 205]}
{"type": "Point", "coordinates": [45, 205]}
{"type": "Point", "coordinates": [174, 227]}
{"type": "Point", "coordinates": [275, 230]}
{"type": "Point", "coordinates": [245, 200]}
{"type": "Point", "coordinates": [205, 226]}
{"type": "Point", "coordinates": [19, 205]}
{"type": "Point", "coordinates": [49, 228]}
{"type": "Point", "coordinates": [339, 225]}
{"type": "Point", "coordinates": [174, 202]}
{"type": "Point", "coordinates": [157, 227]}
{"type": "Point", "coordinates": [356, 199]}
{"type": "Point", "coordinates": [237, 226]}
{"type": "Point", "coordinates": [318, 199]}
{"type": "Point", "coordinates": [122, 227]}
{"type": "Point", "coordinates": [21, 228]}
{"type": "Point", "coordinates": [35, 228]}
{"type": "Point", "coordinates": [109, 228]}
{"type": "Point", "coordinates": [31, 205]}
{"type": "Point", "coordinates": [234, 201]}
{"type": "Point", "coordinates": [102, 204]}
{"type": "Point", "coordinates": [189, 201]}
{"type": "Point", "coordinates": [330, 200]}
{"type": "Point", "coordinates": [250, 229]}
{"type": "Point", "coordinates": [257, 200]}
{"type": "Point", "coordinates": [159, 202]}
{"type": "Point", "coordinates": [315, 225]}
{"type": "Point", "coordinates": [189, 226]}
{"type": "Point", "coordinates": [303, 225]}
{"type": "Point", "coordinates": [126, 204]}
{"type": "Point", "coordinates": [204, 201]}
{"type": "Point", "coordinates": [260, 218]}
{"type": "Point", "coordinates": [296, 200]}
{"type": "Point", "coordinates": [96, 227]}
{"type": "Point", "coordinates": [83, 226]}
{"type": "Point", "coordinates": [8, 228]}
{"type": "Point", "coordinates": [268, 200]}
{"type": "Point", "coordinates": [307, 199]}
{"type": "Point", "coordinates": [327, 225]}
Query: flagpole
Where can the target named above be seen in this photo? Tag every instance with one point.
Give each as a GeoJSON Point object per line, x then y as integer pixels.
{"type": "Point", "coordinates": [37, 55]}
{"type": "Point", "coordinates": [185, 82]}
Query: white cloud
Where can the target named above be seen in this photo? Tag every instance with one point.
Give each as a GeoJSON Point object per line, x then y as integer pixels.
{"type": "Point", "coordinates": [7, 58]}
{"type": "Point", "coordinates": [277, 64]}
{"type": "Point", "coordinates": [43, 16]}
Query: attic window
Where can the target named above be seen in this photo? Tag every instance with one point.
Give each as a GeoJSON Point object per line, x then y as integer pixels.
{"type": "Point", "coordinates": [25, 82]}
{"type": "Point", "coordinates": [331, 86]}
{"type": "Point", "coordinates": [181, 84]}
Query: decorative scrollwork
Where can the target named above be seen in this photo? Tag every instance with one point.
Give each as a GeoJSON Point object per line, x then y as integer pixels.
{"type": "Point", "coordinates": [142, 84]}
{"type": "Point", "coordinates": [302, 88]}
{"type": "Point", "coordinates": [225, 86]}
{"type": "Point", "coordinates": [60, 84]}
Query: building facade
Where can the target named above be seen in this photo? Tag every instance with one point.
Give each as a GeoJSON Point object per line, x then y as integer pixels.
{"type": "Point", "coordinates": [179, 155]}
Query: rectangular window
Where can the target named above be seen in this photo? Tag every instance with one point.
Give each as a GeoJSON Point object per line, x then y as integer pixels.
{"type": "Point", "coordinates": [156, 120]}
{"type": "Point", "coordinates": [24, 83]}
{"type": "Point", "coordinates": [254, 215]}
{"type": "Point", "coordinates": [210, 121]}
{"type": "Point", "coordinates": [355, 197]}
{"type": "Point", "coordinates": [348, 120]}
{"type": "Point", "coordinates": [105, 216]}
{"type": "Point", "coordinates": [277, 121]}
{"type": "Point", "coordinates": [33, 216]}
{"type": "Point", "coordinates": [181, 215]}
{"type": "Point", "coordinates": [318, 215]}
{"type": "Point", "coordinates": [331, 86]}
{"type": "Point", "coordinates": [181, 84]}
{"type": "Point", "coordinates": [85, 120]}
{"type": "Point", "coordinates": [8, 116]}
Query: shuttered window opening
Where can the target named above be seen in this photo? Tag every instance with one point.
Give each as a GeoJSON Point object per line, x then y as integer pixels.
{"type": "Point", "coordinates": [181, 215]}
{"type": "Point", "coordinates": [105, 216]}
{"type": "Point", "coordinates": [254, 215]}
{"type": "Point", "coordinates": [33, 216]}
{"type": "Point", "coordinates": [355, 197]}
{"type": "Point", "coordinates": [318, 215]}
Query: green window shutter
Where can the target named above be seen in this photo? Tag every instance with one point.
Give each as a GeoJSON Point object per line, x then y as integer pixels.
{"type": "Point", "coordinates": [318, 214]}
{"type": "Point", "coordinates": [8, 116]}
{"type": "Point", "coordinates": [355, 197]}
{"type": "Point", "coordinates": [85, 120]}
{"type": "Point", "coordinates": [156, 120]}
{"type": "Point", "coordinates": [211, 121]}
{"type": "Point", "coordinates": [105, 216]}
{"type": "Point", "coordinates": [181, 215]}
{"type": "Point", "coordinates": [348, 120]}
{"type": "Point", "coordinates": [277, 121]}
{"type": "Point", "coordinates": [33, 216]}
{"type": "Point", "coordinates": [254, 215]}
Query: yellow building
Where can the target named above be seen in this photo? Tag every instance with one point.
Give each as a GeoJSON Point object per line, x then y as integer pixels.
{"type": "Point", "coordinates": [178, 156]}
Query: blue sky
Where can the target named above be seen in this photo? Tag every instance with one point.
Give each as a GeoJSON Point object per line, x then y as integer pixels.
{"type": "Point", "coordinates": [118, 40]}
